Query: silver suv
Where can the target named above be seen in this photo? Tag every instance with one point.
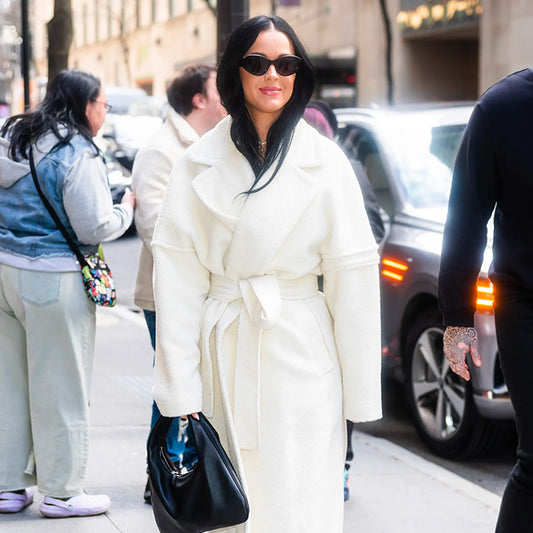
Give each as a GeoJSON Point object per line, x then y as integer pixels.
{"type": "Point", "coordinates": [408, 155]}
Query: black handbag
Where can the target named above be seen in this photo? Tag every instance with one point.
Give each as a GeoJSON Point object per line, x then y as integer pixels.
{"type": "Point", "coordinates": [209, 496]}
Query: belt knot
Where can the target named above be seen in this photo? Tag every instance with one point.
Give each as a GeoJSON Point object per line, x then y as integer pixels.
{"type": "Point", "coordinates": [262, 297]}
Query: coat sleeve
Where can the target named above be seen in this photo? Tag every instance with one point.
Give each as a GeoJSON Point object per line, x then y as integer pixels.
{"type": "Point", "coordinates": [351, 286]}
{"type": "Point", "coordinates": [471, 203]}
{"type": "Point", "coordinates": [150, 175]}
{"type": "Point", "coordinates": [181, 284]}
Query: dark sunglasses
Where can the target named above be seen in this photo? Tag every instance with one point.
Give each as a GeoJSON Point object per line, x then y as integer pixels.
{"type": "Point", "coordinates": [259, 65]}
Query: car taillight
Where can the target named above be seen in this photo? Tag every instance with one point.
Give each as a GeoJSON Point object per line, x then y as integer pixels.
{"type": "Point", "coordinates": [393, 269]}
{"type": "Point", "coordinates": [485, 295]}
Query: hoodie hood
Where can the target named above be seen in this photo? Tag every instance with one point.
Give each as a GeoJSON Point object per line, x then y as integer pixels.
{"type": "Point", "coordinates": [11, 171]}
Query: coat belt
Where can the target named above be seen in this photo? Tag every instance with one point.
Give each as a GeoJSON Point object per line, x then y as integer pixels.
{"type": "Point", "coordinates": [256, 303]}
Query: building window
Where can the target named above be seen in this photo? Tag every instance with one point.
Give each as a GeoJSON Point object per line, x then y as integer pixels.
{"type": "Point", "coordinates": [190, 5]}
{"type": "Point", "coordinates": [154, 10]}
{"type": "Point", "coordinates": [137, 13]}
{"type": "Point", "coordinates": [171, 8]}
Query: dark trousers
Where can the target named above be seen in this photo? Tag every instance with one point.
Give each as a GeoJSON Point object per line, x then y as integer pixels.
{"type": "Point", "coordinates": [514, 329]}
{"type": "Point", "coordinates": [349, 449]}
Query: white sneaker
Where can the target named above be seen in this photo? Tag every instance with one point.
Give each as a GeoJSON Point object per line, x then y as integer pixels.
{"type": "Point", "coordinates": [81, 505]}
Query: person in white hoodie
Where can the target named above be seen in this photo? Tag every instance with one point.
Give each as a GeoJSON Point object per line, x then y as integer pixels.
{"type": "Point", "coordinates": [194, 108]}
{"type": "Point", "coordinates": [47, 322]}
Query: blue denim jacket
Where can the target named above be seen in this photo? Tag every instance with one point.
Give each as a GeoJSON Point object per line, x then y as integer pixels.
{"type": "Point", "coordinates": [74, 180]}
{"type": "Point", "coordinates": [26, 227]}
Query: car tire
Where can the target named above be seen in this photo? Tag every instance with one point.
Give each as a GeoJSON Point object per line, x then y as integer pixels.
{"type": "Point", "coordinates": [441, 403]}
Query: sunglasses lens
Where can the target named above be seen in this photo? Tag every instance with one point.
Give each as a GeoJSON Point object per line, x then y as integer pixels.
{"type": "Point", "coordinates": [286, 66]}
{"type": "Point", "coordinates": [255, 65]}
{"type": "Point", "coordinates": [259, 65]}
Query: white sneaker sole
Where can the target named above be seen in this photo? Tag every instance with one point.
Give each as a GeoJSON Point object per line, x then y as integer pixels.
{"type": "Point", "coordinates": [53, 511]}
{"type": "Point", "coordinates": [66, 510]}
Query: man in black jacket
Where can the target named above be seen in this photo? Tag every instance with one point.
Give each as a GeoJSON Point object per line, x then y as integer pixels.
{"type": "Point", "coordinates": [494, 170]}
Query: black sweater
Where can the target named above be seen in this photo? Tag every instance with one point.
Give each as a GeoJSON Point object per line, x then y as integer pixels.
{"type": "Point", "coordinates": [493, 170]}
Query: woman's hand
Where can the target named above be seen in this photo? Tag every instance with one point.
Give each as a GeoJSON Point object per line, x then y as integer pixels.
{"type": "Point", "coordinates": [194, 415]}
{"type": "Point", "coordinates": [458, 341]}
{"type": "Point", "coordinates": [128, 197]}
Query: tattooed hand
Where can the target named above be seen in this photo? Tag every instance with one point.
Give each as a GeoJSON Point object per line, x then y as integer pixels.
{"type": "Point", "coordinates": [458, 341]}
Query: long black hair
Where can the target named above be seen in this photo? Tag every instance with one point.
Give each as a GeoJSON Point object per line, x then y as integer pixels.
{"type": "Point", "coordinates": [62, 111]}
{"type": "Point", "coordinates": [229, 86]}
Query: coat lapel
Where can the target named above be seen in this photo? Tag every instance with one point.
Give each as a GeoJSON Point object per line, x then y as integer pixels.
{"type": "Point", "coordinates": [266, 220]}
{"type": "Point", "coordinates": [225, 175]}
{"type": "Point", "coordinates": [211, 189]}
{"type": "Point", "coordinates": [262, 221]}
{"type": "Point", "coordinates": [268, 216]}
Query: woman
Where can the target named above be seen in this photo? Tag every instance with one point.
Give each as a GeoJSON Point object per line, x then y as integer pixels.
{"type": "Point", "coordinates": [47, 322]}
{"type": "Point", "coordinates": [254, 212]}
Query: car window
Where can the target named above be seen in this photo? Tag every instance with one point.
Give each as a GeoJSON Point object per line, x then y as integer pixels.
{"type": "Point", "coordinates": [360, 144]}
{"type": "Point", "coordinates": [423, 159]}
{"type": "Point", "coordinates": [411, 155]}
{"type": "Point", "coordinates": [445, 143]}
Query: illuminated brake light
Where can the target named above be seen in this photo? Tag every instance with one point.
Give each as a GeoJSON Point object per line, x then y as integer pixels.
{"type": "Point", "coordinates": [392, 275]}
{"type": "Point", "coordinates": [395, 264]}
{"type": "Point", "coordinates": [395, 270]}
{"type": "Point", "coordinates": [485, 295]}
{"type": "Point", "coordinates": [486, 290]}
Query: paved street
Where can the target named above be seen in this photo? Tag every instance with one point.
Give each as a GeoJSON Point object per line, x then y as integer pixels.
{"type": "Point", "coordinates": [392, 490]}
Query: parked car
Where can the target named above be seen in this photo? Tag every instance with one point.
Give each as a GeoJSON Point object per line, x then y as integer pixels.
{"type": "Point", "coordinates": [120, 98]}
{"type": "Point", "coordinates": [408, 155]}
{"type": "Point", "coordinates": [133, 118]}
{"type": "Point", "coordinates": [123, 133]}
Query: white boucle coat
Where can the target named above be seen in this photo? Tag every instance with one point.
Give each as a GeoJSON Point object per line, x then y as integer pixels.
{"type": "Point", "coordinates": [244, 336]}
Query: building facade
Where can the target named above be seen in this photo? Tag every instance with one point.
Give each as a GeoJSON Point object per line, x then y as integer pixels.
{"type": "Point", "coordinates": [144, 43]}
{"type": "Point", "coordinates": [366, 51]}
{"type": "Point", "coordinates": [441, 50]}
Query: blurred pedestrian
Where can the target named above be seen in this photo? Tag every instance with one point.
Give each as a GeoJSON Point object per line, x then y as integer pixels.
{"type": "Point", "coordinates": [254, 212]}
{"type": "Point", "coordinates": [493, 173]}
{"type": "Point", "coordinates": [47, 322]}
{"type": "Point", "coordinates": [194, 108]}
{"type": "Point", "coordinates": [320, 115]}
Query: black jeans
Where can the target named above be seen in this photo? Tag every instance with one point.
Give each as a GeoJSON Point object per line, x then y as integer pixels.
{"type": "Point", "coordinates": [514, 329]}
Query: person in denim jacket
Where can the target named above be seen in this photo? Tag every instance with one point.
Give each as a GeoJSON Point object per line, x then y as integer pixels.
{"type": "Point", "coordinates": [47, 323]}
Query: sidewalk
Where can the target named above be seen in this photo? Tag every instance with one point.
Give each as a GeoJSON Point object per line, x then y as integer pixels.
{"type": "Point", "coordinates": [392, 489]}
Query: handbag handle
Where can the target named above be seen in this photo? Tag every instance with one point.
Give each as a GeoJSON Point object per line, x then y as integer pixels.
{"type": "Point", "coordinates": [70, 241]}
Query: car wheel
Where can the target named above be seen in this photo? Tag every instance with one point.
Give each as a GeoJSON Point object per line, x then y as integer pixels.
{"type": "Point", "coordinates": [441, 402]}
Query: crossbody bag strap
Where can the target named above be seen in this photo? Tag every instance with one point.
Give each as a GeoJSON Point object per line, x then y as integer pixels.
{"type": "Point", "coordinates": [53, 214]}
